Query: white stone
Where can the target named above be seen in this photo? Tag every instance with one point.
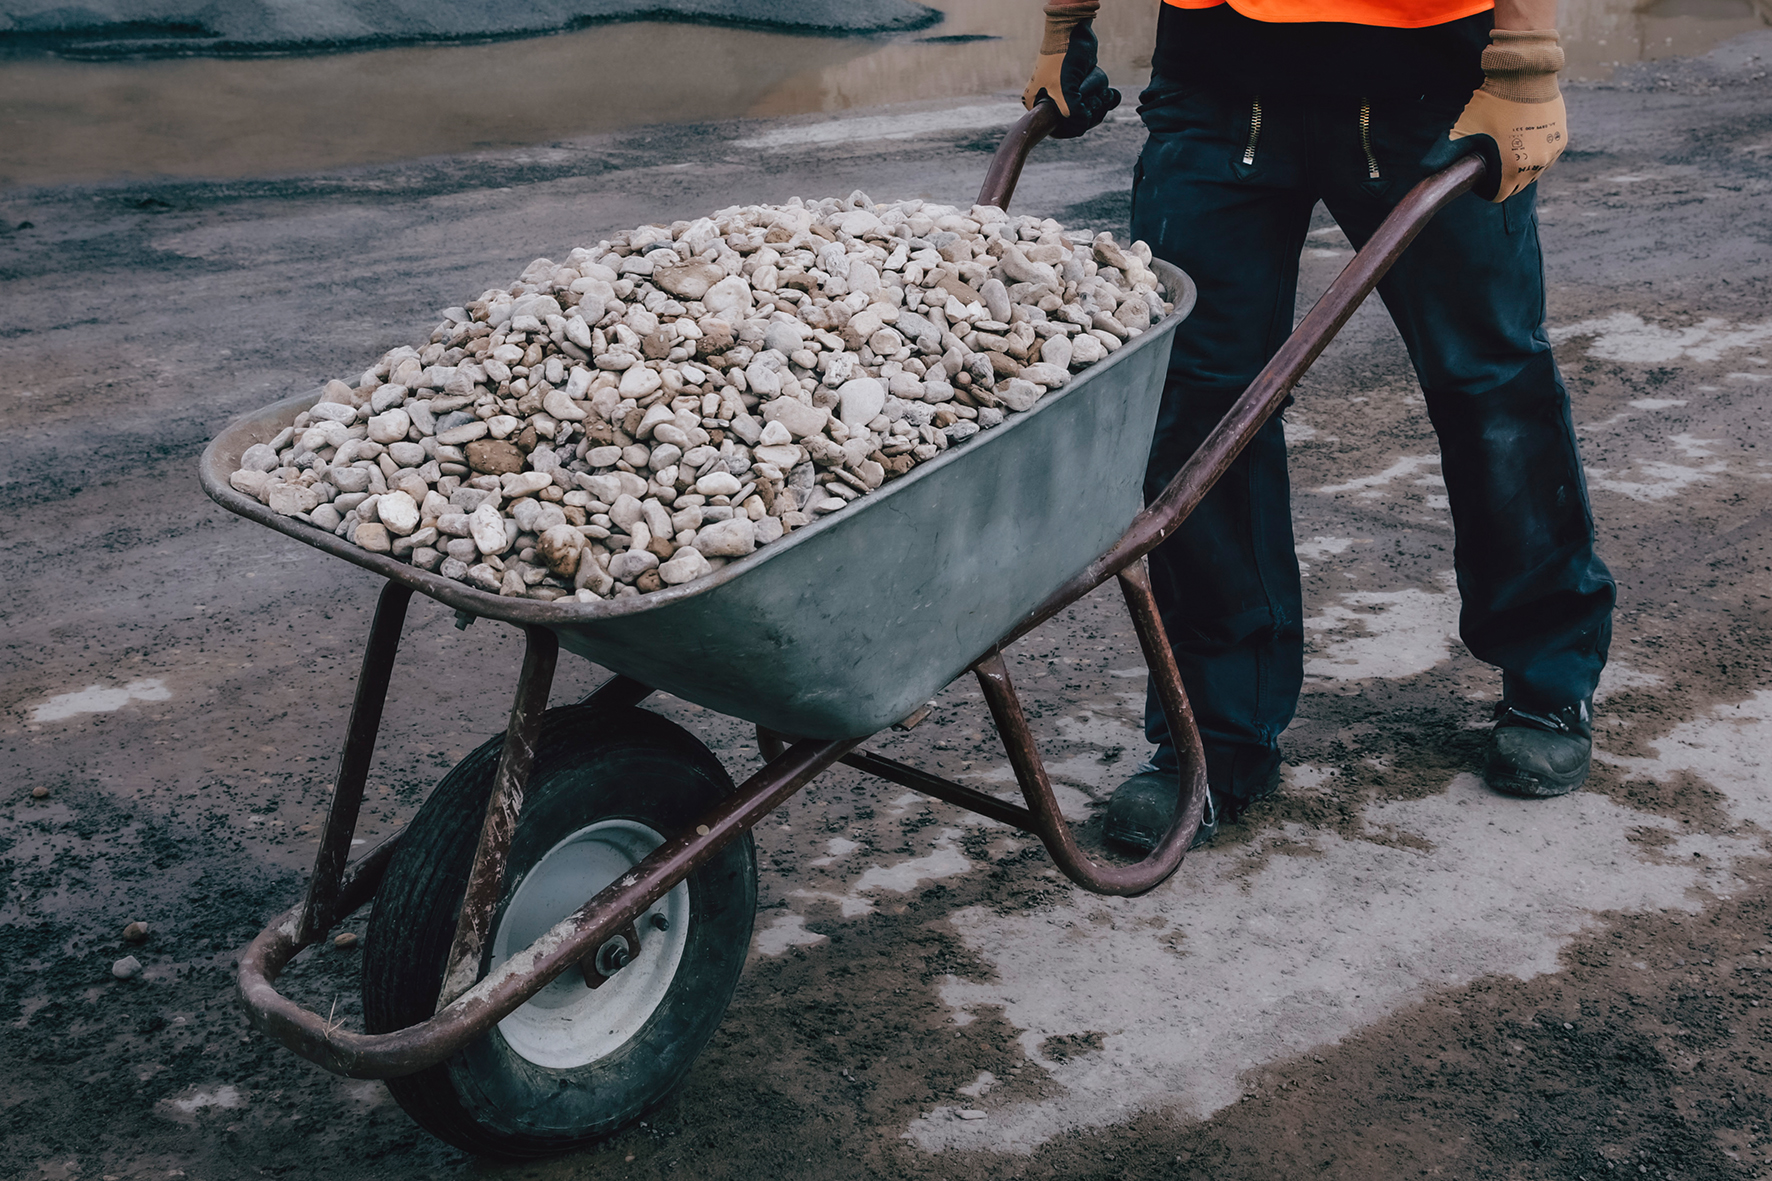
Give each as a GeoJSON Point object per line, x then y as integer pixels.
{"type": "Point", "coordinates": [515, 484]}
{"type": "Point", "coordinates": [260, 457]}
{"type": "Point", "coordinates": [727, 539]}
{"type": "Point", "coordinates": [253, 484]}
{"type": "Point", "coordinates": [1041, 373]}
{"type": "Point", "coordinates": [718, 483]}
{"type": "Point", "coordinates": [859, 401]}
{"type": "Point", "coordinates": [336, 411]}
{"type": "Point", "coordinates": [1086, 350]}
{"type": "Point", "coordinates": [686, 565]}
{"type": "Point", "coordinates": [488, 529]}
{"type": "Point", "coordinates": [729, 299]}
{"type": "Point", "coordinates": [630, 564]}
{"type": "Point", "coordinates": [639, 381]}
{"type": "Point", "coordinates": [783, 457]}
{"type": "Point", "coordinates": [349, 479]}
{"type": "Point", "coordinates": [399, 512]}
{"type": "Point", "coordinates": [467, 432]}
{"type": "Point", "coordinates": [800, 419]}
{"type": "Point", "coordinates": [390, 426]}
{"type": "Point", "coordinates": [556, 403]}
{"type": "Point", "coordinates": [1056, 351]}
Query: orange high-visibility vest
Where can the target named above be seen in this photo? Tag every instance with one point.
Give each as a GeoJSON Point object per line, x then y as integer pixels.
{"type": "Point", "coordinates": [1392, 14]}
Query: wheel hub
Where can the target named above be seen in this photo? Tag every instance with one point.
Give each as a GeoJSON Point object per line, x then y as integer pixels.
{"type": "Point", "coordinates": [569, 1025]}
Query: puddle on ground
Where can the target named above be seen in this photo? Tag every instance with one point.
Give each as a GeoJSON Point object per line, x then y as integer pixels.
{"type": "Point", "coordinates": [68, 121]}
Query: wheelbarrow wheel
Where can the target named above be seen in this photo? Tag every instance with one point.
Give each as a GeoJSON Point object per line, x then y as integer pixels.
{"type": "Point", "coordinates": [575, 1064]}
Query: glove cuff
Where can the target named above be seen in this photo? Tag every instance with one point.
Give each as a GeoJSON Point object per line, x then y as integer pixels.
{"type": "Point", "coordinates": [1521, 65]}
{"type": "Point", "coordinates": [1062, 17]}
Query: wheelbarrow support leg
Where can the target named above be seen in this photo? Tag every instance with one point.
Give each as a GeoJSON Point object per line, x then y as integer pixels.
{"type": "Point", "coordinates": [320, 910]}
{"type": "Point", "coordinates": [1030, 772]}
{"type": "Point", "coordinates": [486, 879]}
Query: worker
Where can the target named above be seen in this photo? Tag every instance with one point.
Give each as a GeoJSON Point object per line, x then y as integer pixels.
{"type": "Point", "coordinates": [1257, 110]}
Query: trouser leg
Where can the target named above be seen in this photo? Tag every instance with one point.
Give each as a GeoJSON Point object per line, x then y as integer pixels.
{"type": "Point", "coordinates": [1226, 583]}
{"type": "Point", "coordinates": [1468, 300]}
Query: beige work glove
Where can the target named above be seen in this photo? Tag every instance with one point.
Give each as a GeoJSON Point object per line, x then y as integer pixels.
{"type": "Point", "coordinates": [1516, 121]}
{"type": "Point", "coordinates": [1066, 70]}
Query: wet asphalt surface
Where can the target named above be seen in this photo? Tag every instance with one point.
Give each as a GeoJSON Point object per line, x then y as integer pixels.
{"type": "Point", "coordinates": [1603, 1022]}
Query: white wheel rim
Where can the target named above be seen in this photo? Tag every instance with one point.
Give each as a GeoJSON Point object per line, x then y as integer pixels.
{"type": "Point", "coordinates": [568, 1024]}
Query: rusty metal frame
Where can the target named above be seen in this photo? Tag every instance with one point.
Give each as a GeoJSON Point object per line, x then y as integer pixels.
{"type": "Point", "coordinates": [470, 1007]}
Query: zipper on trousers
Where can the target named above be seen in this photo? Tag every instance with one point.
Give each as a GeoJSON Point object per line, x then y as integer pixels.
{"type": "Point", "coordinates": [1254, 132]}
{"type": "Point", "coordinates": [1365, 139]}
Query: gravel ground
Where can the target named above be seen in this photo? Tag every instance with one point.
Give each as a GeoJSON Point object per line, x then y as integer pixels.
{"type": "Point", "coordinates": [1387, 972]}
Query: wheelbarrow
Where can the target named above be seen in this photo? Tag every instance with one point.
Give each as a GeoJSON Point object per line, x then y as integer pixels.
{"type": "Point", "coordinates": [559, 930]}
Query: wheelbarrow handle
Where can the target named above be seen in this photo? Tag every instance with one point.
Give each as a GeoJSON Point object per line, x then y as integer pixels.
{"type": "Point", "coordinates": [1270, 389]}
{"type": "Point", "coordinates": [1012, 153]}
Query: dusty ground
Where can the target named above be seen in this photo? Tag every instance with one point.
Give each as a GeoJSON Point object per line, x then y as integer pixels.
{"type": "Point", "coordinates": [1386, 973]}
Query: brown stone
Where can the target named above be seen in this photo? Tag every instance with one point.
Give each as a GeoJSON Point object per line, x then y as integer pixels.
{"type": "Point", "coordinates": [897, 465]}
{"type": "Point", "coordinates": [714, 340]}
{"type": "Point", "coordinates": [778, 235]}
{"type": "Point", "coordinates": [526, 439]}
{"type": "Point", "coordinates": [598, 431]}
{"type": "Point", "coordinates": [958, 289]}
{"type": "Point", "coordinates": [690, 280]}
{"type": "Point", "coordinates": [655, 346]}
{"type": "Point", "coordinates": [1003, 365]}
{"type": "Point", "coordinates": [136, 932]}
{"type": "Point", "coordinates": [631, 424]}
{"type": "Point", "coordinates": [648, 582]}
{"type": "Point", "coordinates": [494, 457]}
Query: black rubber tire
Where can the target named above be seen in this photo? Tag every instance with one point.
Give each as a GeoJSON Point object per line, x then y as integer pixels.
{"type": "Point", "coordinates": [590, 765]}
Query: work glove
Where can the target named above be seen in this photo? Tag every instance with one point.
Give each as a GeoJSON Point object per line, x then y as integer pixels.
{"type": "Point", "coordinates": [1066, 73]}
{"type": "Point", "coordinates": [1516, 120]}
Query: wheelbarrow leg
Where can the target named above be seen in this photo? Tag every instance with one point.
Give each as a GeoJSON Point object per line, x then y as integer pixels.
{"type": "Point", "coordinates": [1030, 772]}
{"type": "Point", "coordinates": [1159, 657]}
{"type": "Point", "coordinates": [319, 911]}
{"type": "Point", "coordinates": [515, 761]}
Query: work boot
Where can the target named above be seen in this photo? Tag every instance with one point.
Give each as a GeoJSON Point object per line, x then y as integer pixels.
{"type": "Point", "coordinates": [1539, 755]}
{"type": "Point", "coordinates": [1139, 813]}
{"type": "Point", "coordinates": [1142, 807]}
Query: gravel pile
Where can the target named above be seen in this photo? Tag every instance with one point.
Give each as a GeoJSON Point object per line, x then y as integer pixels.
{"type": "Point", "coordinates": [662, 403]}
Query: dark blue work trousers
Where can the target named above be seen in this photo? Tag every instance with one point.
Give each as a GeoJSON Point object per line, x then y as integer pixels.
{"type": "Point", "coordinates": [1225, 192]}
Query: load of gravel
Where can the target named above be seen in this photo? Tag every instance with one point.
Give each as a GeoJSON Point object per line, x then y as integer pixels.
{"type": "Point", "coordinates": [662, 403]}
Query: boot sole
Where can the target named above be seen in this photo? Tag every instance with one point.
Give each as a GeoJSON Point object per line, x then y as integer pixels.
{"type": "Point", "coordinates": [1511, 781]}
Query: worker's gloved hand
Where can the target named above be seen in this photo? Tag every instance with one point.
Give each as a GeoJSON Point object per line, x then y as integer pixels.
{"type": "Point", "coordinates": [1066, 71]}
{"type": "Point", "coordinates": [1516, 120]}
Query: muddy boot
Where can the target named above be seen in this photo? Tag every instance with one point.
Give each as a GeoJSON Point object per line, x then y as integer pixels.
{"type": "Point", "coordinates": [1141, 808]}
{"type": "Point", "coordinates": [1539, 755]}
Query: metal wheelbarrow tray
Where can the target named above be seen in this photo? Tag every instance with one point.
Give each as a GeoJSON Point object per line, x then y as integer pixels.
{"type": "Point", "coordinates": [831, 634]}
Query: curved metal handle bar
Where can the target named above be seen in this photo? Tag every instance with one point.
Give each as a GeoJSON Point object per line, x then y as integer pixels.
{"type": "Point", "coordinates": [1269, 389]}
{"type": "Point", "coordinates": [1012, 153]}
